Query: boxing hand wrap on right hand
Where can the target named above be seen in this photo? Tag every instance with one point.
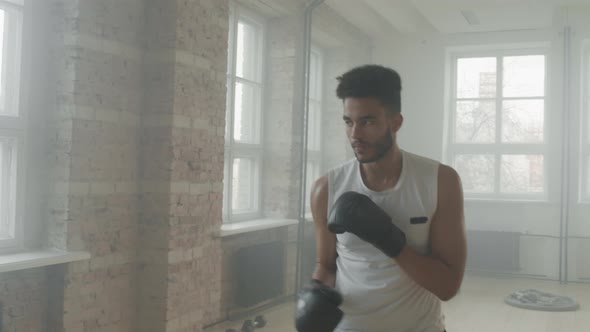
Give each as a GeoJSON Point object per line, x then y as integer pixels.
{"type": "Point", "coordinates": [317, 308]}
{"type": "Point", "coordinates": [358, 214]}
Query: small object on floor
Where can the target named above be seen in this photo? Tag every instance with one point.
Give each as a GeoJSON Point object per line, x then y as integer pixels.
{"type": "Point", "coordinates": [536, 300]}
{"type": "Point", "coordinates": [259, 322]}
{"type": "Point", "coordinates": [248, 326]}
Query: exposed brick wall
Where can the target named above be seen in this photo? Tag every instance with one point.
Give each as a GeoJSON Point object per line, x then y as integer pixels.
{"type": "Point", "coordinates": [335, 146]}
{"type": "Point", "coordinates": [23, 297]}
{"type": "Point", "coordinates": [283, 108]}
{"type": "Point", "coordinates": [103, 39]}
{"type": "Point", "coordinates": [231, 245]}
{"type": "Point", "coordinates": [154, 166]}
{"type": "Point", "coordinates": [182, 165]}
{"type": "Point", "coordinates": [282, 130]}
{"type": "Point", "coordinates": [348, 48]}
{"type": "Point", "coordinates": [280, 140]}
{"type": "Point", "coordinates": [132, 126]}
{"type": "Point", "coordinates": [32, 299]}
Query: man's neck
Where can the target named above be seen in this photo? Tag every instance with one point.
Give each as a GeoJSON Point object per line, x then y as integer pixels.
{"type": "Point", "coordinates": [384, 173]}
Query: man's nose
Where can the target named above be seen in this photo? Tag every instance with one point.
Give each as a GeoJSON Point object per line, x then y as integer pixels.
{"type": "Point", "coordinates": [355, 131]}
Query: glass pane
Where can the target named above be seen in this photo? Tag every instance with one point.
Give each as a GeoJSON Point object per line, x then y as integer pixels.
{"type": "Point", "coordinates": [225, 205]}
{"type": "Point", "coordinates": [524, 76]}
{"type": "Point", "coordinates": [523, 121]}
{"type": "Point", "coordinates": [314, 127]}
{"type": "Point", "coordinates": [10, 49]}
{"type": "Point", "coordinates": [7, 187]}
{"type": "Point", "coordinates": [587, 194]}
{"type": "Point", "coordinates": [244, 185]}
{"type": "Point", "coordinates": [476, 171]}
{"type": "Point", "coordinates": [248, 52]}
{"type": "Point", "coordinates": [247, 113]}
{"type": "Point", "coordinates": [314, 76]}
{"type": "Point", "coordinates": [521, 174]}
{"type": "Point", "coordinates": [228, 109]}
{"type": "Point", "coordinates": [3, 108]}
{"type": "Point", "coordinates": [475, 122]}
{"type": "Point", "coordinates": [586, 87]}
{"type": "Point", "coordinates": [476, 78]}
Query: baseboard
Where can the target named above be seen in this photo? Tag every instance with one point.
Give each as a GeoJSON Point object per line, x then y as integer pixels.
{"type": "Point", "coordinates": [491, 273]}
{"type": "Point", "coordinates": [249, 313]}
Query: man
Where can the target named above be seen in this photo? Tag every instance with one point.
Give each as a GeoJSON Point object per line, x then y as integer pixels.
{"type": "Point", "coordinates": [388, 224]}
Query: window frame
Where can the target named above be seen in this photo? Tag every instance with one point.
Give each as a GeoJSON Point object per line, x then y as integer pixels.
{"type": "Point", "coordinates": [498, 148]}
{"type": "Point", "coordinates": [314, 157]}
{"type": "Point", "coordinates": [232, 148]}
{"type": "Point", "coordinates": [11, 61]}
{"type": "Point", "coordinates": [584, 194]}
{"type": "Point", "coordinates": [14, 125]}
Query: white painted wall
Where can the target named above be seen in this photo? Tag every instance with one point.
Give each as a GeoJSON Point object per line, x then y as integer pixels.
{"type": "Point", "coordinates": [421, 60]}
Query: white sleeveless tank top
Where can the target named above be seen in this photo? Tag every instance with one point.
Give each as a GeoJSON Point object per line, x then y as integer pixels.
{"type": "Point", "coordinates": [378, 295]}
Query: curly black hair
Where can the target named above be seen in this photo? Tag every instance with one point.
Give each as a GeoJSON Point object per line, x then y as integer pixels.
{"type": "Point", "coordinates": [375, 81]}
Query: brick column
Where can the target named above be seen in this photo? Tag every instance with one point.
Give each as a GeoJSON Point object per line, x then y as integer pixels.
{"type": "Point", "coordinates": [92, 157]}
{"type": "Point", "coordinates": [282, 135]}
{"type": "Point", "coordinates": [182, 164]}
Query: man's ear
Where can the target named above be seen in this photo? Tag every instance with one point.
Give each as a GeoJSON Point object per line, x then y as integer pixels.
{"type": "Point", "coordinates": [397, 121]}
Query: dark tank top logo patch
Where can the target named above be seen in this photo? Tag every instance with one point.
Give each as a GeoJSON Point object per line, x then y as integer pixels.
{"type": "Point", "coordinates": [418, 220]}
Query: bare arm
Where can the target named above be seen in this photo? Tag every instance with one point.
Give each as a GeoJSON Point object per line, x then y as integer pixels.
{"type": "Point", "coordinates": [325, 269]}
{"type": "Point", "coordinates": [442, 272]}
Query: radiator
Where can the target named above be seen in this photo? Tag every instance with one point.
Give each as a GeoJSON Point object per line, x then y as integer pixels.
{"type": "Point", "coordinates": [259, 273]}
{"type": "Point", "coordinates": [493, 250]}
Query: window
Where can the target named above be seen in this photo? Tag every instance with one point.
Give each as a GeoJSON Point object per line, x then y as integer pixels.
{"type": "Point", "coordinates": [243, 149]}
{"type": "Point", "coordinates": [585, 93]}
{"type": "Point", "coordinates": [497, 132]}
{"type": "Point", "coordinates": [12, 123]}
{"type": "Point", "coordinates": [314, 132]}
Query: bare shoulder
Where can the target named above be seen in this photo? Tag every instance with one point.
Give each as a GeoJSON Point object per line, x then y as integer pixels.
{"type": "Point", "coordinates": [450, 195]}
{"type": "Point", "coordinates": [446, 172]}
{"type": "Point", "coordinates": [448, 179]}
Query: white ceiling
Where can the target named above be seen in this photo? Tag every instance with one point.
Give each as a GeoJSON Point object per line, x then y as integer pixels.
{"type": "Point", "coordinates": [360, 14]}
{"type": "Point", "coordinates": [451, 16]}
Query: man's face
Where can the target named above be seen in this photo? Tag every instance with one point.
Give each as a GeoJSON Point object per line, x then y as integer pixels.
{"type": "Point", "coordinates": [370, 127]}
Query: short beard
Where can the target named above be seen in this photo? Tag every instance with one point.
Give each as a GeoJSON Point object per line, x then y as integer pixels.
{"type": "Point", "coordinates": [382, 146]}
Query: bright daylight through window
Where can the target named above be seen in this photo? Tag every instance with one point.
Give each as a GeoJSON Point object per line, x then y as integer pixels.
{"type": "Point", "coordinates": [12, 124]}
{"type": "Point", "coordinates": [243, 150]}
{"type": "Point", "coordinates": [497, 141]}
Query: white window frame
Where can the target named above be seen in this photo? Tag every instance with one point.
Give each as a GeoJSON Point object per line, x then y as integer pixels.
{"type": "Point", "coordinates": [234, 149]}
{"type": "Point", "coordinates": [13, 125]}
{"type": "Point", "coordinates": [498, 148]}
{"type": "Point", "coordinates": [314, 156]}
{"type": "Point", "coordinates": [585, 109]}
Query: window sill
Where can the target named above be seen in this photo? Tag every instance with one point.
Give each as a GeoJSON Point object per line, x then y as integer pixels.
{"type": "Point", "coordinates": [254, 225]}
{"type": "Point", "coordinates": [505, 200]}
{"type": "Point", "coordinates": [33, 259]}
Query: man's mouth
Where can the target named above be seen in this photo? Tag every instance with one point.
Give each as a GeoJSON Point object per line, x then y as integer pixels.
{"type": "Point", "coordinates": [359, 146]}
